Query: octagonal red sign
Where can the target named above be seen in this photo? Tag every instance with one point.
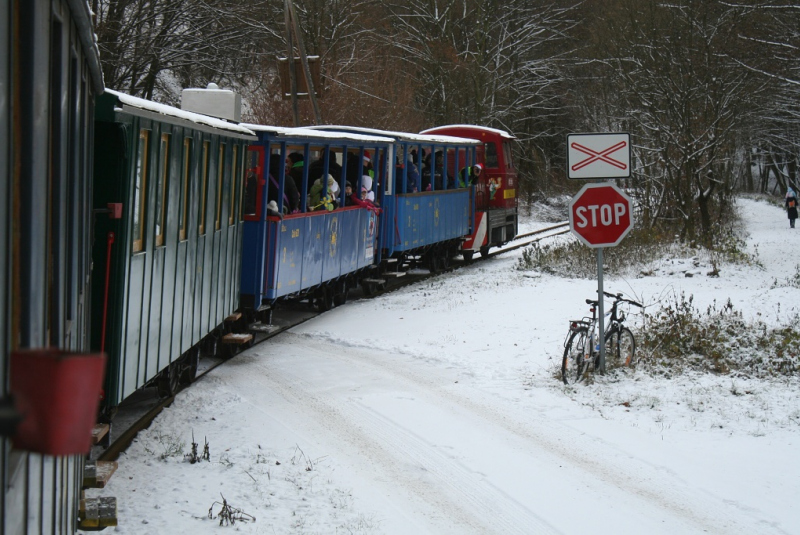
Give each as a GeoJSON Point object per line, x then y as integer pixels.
{"type": "Point", "coordinates": [600, 215]}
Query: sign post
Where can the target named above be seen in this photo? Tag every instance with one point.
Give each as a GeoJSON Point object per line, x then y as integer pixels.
{"type": "Point", "coordinates": [600, 215]}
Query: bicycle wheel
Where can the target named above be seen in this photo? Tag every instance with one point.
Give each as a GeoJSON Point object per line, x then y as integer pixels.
{"type": "Point", "coordinates": [573, 364]}
{"type": "Point", "coordinates": [620, 347]}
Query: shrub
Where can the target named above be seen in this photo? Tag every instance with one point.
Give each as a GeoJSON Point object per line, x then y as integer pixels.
{"type": "Point", "coordinates": [679, 336]}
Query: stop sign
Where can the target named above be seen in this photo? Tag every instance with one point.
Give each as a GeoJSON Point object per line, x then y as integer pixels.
{"type": "Point", "coordinates": [600, 215]}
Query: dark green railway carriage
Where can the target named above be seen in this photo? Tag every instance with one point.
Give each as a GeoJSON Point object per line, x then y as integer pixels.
{"type": "Point", "coordinates": [168, 238]}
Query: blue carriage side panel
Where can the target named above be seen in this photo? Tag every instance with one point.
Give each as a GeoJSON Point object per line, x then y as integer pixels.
{"type": "Point", "coordinates": [349, 237]}
{"type": "Point", "coordinates": [331, 250]}
{"type": "Point", "coordinates": [285, 256]}
{"type": "Point", "coordinates": [367, 248]}
{"type": "Point", "coordinates": [253, 267]}
{"type": "Point", "coordinates": [431, 218]}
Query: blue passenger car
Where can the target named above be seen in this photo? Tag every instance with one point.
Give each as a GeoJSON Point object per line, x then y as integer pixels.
{"type": "Point", "coordinates": [427, 211]}
{"type": "Point", "coordinates": [296, 245]}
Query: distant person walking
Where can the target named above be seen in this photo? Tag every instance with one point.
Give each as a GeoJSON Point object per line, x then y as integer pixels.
{"type": "Point", "coordinates": [791, 206]}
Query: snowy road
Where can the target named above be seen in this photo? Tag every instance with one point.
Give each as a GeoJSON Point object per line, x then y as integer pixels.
{"type": "Point", "coordinates": [441, 457]}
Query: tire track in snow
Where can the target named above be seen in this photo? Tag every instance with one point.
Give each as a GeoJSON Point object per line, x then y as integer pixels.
{"type": "Point", "coordinates": [617, 469]}
{"type": "Point", "coordinates": [483, 498]}
{"type": "Point", "coordinates": [458, 519]}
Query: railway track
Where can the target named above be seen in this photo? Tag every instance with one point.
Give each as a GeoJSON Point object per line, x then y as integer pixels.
{"type": "Point", "coordinates": [138, 411]}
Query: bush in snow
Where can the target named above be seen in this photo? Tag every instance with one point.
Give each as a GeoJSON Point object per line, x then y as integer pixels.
{"type": "Point", "coordinates": [719, 340]}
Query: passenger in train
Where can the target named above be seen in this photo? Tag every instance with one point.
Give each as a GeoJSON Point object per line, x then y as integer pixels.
{"type": "Point", "coordinates": [368, 169]}
{"type": "Point", "coordinates": [291, 197]}
{"type": "Point", "coordinates": [294, 166]}
{"type": "Point", "coordinates": [366, 189]}
{"type": "Point", "coordinates": [317, 168]}
{"type": "Point", "coordinates": [426, 174]}
{"type": "Point", "coordinates": [318, 201]}
{"type": "Point", "coordinates": [412, 178]}
{"type": "Point", "coordinates": [352, 171]}
{"type": "Point", "coordinates": [348, 194]}
{"type": "Point", "coordinates": [469, 175]}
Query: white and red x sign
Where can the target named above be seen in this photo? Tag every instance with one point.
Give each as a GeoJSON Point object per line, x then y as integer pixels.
{"type": "Point", "coordinates": [598, 155]}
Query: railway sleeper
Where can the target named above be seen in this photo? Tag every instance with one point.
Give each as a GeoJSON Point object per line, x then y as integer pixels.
{"type": "Point", "coordinates": [97, 473]}
{"type": "Point", "coordinates": [101, 434]}
{"type": "Point", "coordinates": [97, 513]}
{"type": "Point", "coordinates": [232, 343]}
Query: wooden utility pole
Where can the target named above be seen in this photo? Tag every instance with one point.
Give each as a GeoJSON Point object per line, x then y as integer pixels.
{"type": "Point", "coordinates": [292, 26]}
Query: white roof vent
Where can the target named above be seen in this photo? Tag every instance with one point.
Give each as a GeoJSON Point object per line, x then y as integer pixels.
{"type": "Point", "coordinates": [213, 101]}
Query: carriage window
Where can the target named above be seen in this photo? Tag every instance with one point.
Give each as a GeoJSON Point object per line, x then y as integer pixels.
{"type": "Point", "coordinates": [201, 228]}
{"type": "Point", "coordinates": [491, 155]}
{"type": "Point", "coordinates": [161, 189]}
{"type": "Point", "coordinates": [184, 212]}
{"type": "Point", "coordinates": [507, 155]}
{"type": "Point", "coordinates": [139, 197]}
{"type": "Point", "coordinates": [254, 156]}
{"type": "Point", "coordinates": [234, 182]}
{"type": "Point", "coordinates": [220, 180]}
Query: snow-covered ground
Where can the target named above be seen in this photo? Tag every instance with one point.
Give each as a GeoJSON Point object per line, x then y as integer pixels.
{"type": "Point", "coordinates": [436, 409]}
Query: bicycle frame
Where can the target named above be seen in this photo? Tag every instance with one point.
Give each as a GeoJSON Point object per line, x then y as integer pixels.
{"type": "Point", "coordinates": [585, 336]}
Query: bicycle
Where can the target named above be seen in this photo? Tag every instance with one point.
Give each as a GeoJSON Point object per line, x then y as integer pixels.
{"type": "Point", "coordinates": [581, 349]}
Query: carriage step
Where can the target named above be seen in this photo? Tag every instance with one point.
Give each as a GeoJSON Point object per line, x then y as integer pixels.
{"type": "Point", "coordinates": [390, 260]}
{"type": "Point", "coordinates": [236, 339]}
{"type": "Point", "coordinates": [99, 432]}
{"type": "Point", "coordinates": [375, 281]}
{"type": "Point", "coordinates": [97, 513]}
{"type": "Point", "coordinates": [97, 473]}
{"type": "Point", "coordinates": [236, 316]}
{"type": "Point", "coordinates": [395, 273]}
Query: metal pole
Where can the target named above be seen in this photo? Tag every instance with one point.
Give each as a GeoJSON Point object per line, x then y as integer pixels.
{"type": "Point", "coordinates": [601, 309]}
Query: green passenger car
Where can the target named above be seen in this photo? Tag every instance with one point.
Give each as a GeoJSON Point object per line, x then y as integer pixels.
{"type": "Point", "coordinates": [167, 238]}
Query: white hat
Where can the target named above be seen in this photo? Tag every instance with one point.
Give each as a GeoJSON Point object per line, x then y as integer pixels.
{"type": "Point", "coordinates": [333, 187]}
{"type": "Point", "coordinates": [366, 181]}
{"type": "Point", "coordinates": [272, 205]}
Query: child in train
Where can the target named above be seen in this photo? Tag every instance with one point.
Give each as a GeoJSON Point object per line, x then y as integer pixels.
{"type": "Point", "coordinates": [318, 201]}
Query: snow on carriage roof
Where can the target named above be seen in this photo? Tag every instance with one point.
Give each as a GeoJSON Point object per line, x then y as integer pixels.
{"type": "Point", "coordinates": [172, 111]}
{"type": "Point", "coordinates": [320, 134]}
{"type": "Point", "coordinates": [402, 136]}
{"type": "Point", "coordinates": [501, 133]}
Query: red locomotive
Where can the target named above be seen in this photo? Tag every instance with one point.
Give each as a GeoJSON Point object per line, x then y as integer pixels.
{"type": "Point", "coordinates": [496, 220]}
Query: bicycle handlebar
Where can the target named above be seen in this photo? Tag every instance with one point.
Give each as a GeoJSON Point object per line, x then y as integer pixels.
{"type": "Point", "coordinates": [619, 297]}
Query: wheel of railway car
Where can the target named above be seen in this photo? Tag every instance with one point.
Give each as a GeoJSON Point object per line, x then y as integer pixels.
{"type": "Point", "coordinates": [467, 255]}
{"type": "Point", "coordinates": [340, 297]}
{"type": "Point", "coordinates": [485, 251]}
{"type": "Point", "coordinates": [168, 381]}
{"type": "Point", "coordinates": [191, 361]}
{"type": "Point", "coordinates": [368, 288]}
{"type": "Point", "coordinates": [434, 263]}
{"type": "Point", "coordinates": [324, 299]}
{"type": "Point", "coordinates": [446, 259]}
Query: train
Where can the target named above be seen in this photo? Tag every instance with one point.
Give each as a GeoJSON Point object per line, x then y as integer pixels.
{"type": "Point", "coordinates": [139, 230]}
{"type": "Point", "coordinates": [50, 75]}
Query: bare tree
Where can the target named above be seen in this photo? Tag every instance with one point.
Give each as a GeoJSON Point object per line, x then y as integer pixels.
{"type": "Point", "coordinates": [686, 101]}
{"type": "Point", "coordinates": [157, 47]}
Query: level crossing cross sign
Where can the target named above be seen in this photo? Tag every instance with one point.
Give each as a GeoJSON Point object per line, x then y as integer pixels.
{"type": "Point", "coordinates": [600, 215]}
{"type": "Point", "coordinates": [598, 156]}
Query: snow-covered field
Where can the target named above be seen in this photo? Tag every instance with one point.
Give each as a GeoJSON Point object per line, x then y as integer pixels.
{"type": "Point", "coordinates": [436, 409]}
